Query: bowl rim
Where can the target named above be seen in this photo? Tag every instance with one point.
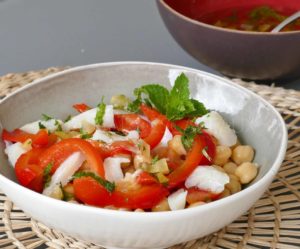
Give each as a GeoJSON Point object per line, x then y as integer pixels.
{"type": "Point", "coordinates": [169, 214]}
{"type": "Point", "coordinates": [188, 19]}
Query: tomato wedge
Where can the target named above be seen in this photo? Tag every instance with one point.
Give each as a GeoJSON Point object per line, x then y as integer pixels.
{"type": "Point", "coordinates": [116, 148]}
{"type": "Point", "coordinates": [132, 195]}
{"type": "Point", "coordinates": [193, 159]}
{"type": "Point", "coordinates": [81, 107]}
{"type": "Point", "coordinates": [183, 124]}
{"type": "Point", "coordinates": [60, 151]}
{"type": "Point", "coordinates": [129, 122]}
{"type": "Point", "coordinates": [28, 172]}
{"type": "Point", "coordinates": [39, 140]}
{"type": "Point", "coordinates": [196, 195]}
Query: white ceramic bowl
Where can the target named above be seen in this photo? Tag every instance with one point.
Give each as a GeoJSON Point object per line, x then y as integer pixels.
{"type": "Point", "coordinates": [257, 123]}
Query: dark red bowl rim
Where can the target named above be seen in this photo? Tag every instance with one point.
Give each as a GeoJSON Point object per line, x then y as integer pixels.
{"type": "Point", "coordinates": [186, 18]}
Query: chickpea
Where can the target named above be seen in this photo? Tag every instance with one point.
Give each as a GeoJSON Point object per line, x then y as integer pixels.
{"type": "Point", "coordinates": [230, 167]}
{"type": "Point", "coordinates": [161, 206]}
{"type": "Point", "coordinates": [233, 186]}
{"type": "Point", "coordinates": [223, 153]}
{"type": "Point", "coordinates": [242, 154]}
{"type": "Point", "coordinates": [233, 177]}
{"type": "Point", "coordinates": [139, 210]}
{"type": "Point", "coordinates": [196, 204]}
{"type": "Point", "coordinates": [176, 145]}
{"type": "Point", "coordinates": [246, 172]}
{"type": "Point", "coordinates": [219, 168]}
{"type": "Point", "coordinates": [225, 193]}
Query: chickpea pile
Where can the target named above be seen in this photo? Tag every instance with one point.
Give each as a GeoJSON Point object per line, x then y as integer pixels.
{"type": "Point", "coordinates": [236, 161]}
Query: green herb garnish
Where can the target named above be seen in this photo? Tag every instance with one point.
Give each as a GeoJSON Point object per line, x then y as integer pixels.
{"type": "Point", "coordinates": [100, 113]}
{"type": "Point", "coordinates": [188, 135]}
{"type": "Point", "coordinates": [109, 186]}
{"type": "Point", "coordinates": [47, 175]}
{"type": "Point", "coordinates": [175, 104]}
{"type": "Point", "coordinates": [58, 125]}
{"type": "Point", "coordinates": [41, 126]}
{"type": "Point", "coordinates": [68, 118]}
{"type": "Point", "coordinates": [46, 117]}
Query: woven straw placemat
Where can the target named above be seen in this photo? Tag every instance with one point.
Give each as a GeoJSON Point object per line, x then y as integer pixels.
{"type": "Point", "coordinates": [273, 221]}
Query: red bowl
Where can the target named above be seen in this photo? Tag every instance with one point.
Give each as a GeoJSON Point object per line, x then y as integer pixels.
{"type": "Point", "coordinates": [247, 55]}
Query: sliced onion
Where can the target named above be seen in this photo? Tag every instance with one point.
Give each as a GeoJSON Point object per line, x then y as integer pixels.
{"type": "Point", "coordinates": [34, 127]}
{"type": "Point", "coordinates": [112, 168]}
{"type": "Point", "coordinates": [64, 172]}
{"type": "Point", "coordinates": [14, 151]}
{"type": "Point", "coordinates": [177, 200]}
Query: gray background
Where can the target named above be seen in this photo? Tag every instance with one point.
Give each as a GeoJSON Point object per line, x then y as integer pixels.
{"type": "Point", "coordinates": [37, 34]}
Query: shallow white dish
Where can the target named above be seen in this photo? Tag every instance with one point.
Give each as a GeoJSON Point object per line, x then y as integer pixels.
{"type": "Point", "coordinates": [256, 122]}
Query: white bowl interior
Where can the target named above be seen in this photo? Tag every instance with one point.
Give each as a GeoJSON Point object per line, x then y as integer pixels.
{"type": "Point", "coordinates": [256, 122]}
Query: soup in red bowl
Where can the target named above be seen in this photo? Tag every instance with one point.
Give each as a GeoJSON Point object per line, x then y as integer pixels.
{"type": "Point", "coordinates": [234, 36]}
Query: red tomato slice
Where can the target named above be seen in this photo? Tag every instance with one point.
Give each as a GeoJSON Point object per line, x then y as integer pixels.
{"type": "Point", "coordinates": [193, 159]}
{"type": "Point", "coordinates": [89, 191]}
{"type": "Point", "coordinates": [145, 178]}
{"type": "Point", "coordinates": [196, 195]}
{"type": "Point", "coordinates": [132, 196]}
{"type": "Point", "coordinates": [139, 196]}
{"type": "Point", "coordinates": [81, 107]}
{"type": "Point", "coordinates": [156, 134]}
{"type": "Point", "coordinates": [116, 148]}
{"type": "Point", "coordinates": [210, 149]}
{"type": "Point", "coordinates": [129, 122]}
{"type": "Point", "coordinates": [60, 151]}
{"type": "Point", "coordinates": [40, 140]}
{"type": "Point", "coordinates": [153, 114]}
{"type": "Point", "coordinates": [183, 124]}
{"type": "Point", "coordinates": [28, 172]}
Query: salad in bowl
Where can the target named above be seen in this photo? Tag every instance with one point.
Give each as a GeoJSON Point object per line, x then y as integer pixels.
{"type": "Point", "coordinates": [161, 151]}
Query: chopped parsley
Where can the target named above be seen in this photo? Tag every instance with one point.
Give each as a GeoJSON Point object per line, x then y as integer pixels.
{"type": "Point", "coordinates": [68, 118]}
{"type": "Point", "coordinates": [175, 104]}
{"type": "Point", "coordinates": [46, 117]}
{"type": "Point", "coordinates": [100, 113]}
{"type": "Point", "coordinates": [188, 135]}
{"type": "Point", "coordinates": [47, 175]}
{"type": "Point", "coordinates": [109, 186]}
{"type": "Point", "coordinates": [41, 126]}
{"type": "Point", "coordinates": [58, 125]}
{"type": "Point", "coordinates": [84, 135]}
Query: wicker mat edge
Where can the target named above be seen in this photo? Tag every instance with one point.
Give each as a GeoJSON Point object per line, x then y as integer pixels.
{"type": "Point", "coordinates": [273, 222]}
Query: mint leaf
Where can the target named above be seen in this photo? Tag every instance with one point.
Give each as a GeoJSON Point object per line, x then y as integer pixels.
{"type": "Point", "coordinates": [158, 96]}
{"type": "Point", "coordinates": [134, 106]}
{"type": "Point", "coordinates": [175, 104]}
{"type": "Point", "coordinates": [68, 118]}
{"type": "Point", "coordinates": [100, 113]}
{"type": "Point", "coordinates": [199, 109]}
{"type": "Point", "coordinates": [109, 186]}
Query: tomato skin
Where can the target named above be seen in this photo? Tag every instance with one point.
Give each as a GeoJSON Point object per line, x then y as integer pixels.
{"type": "Point", "coordinates": [40, 140]}
{"type": "Point", "coordinates": [60, 151]}
{"type": "Point", "coordinates": [193, 159]}
{"type": "Point", "coordinates": [196, 195]}
{"type": "Point", "coordinates": [183, 124]}
{"type": "Point", "coordinates": [131, 122]}
{"type": "Point", "coordinates": [89, 191]}
{"type": "Point", "coordinates": [143, 196]}
{"type": "Point", "coordinates": [210, 149]}
{"type": "Point", "coordinates": [28, 172]}
{"type": "Point", "coordinates": [145, 178]}
{"type": "Point", "coordinates": [81, 107]}
{"type": "Point", "coordinates": [113, 149]}
{"type": "Point", "coordinates": [156, 134]}
{"type": "Point", "coordinates": [134, 196]}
